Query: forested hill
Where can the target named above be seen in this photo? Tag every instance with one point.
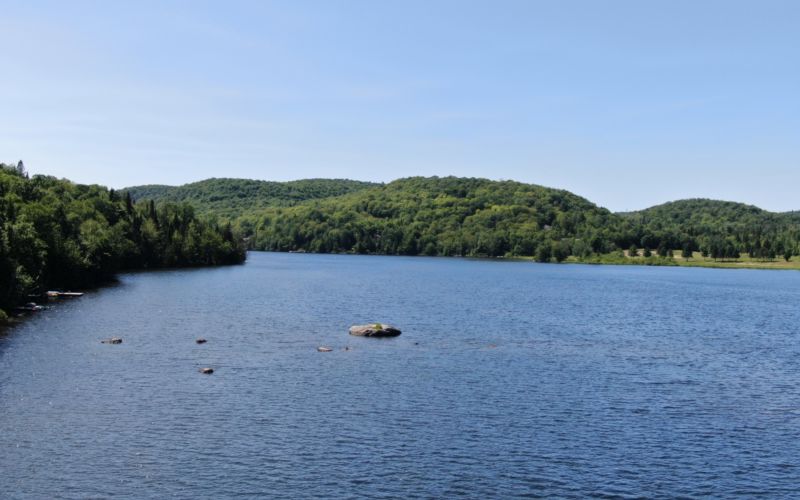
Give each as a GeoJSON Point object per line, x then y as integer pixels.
{"type": "Point", "coordinates": [56, 234]}
{"type": "Point", "coordinates": [705, 213]}
{"type": "Point", "coordinates": [232, 197]}
{"type": "Point", "coordinates": [702, 223]}
{"type": "Point", "coordinates": [443, 216]}
{"type": "Point", "coordinates": [478, 217]}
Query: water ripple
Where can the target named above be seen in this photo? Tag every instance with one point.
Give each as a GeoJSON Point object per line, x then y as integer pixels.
{"type": "Point", "coordinates": [510, 380]}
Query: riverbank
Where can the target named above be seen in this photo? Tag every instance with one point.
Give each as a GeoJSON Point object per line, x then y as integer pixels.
{"type": "Point", "coordinates": [618, 259]}
{"type": "Point", "coordinates": [697, 260]}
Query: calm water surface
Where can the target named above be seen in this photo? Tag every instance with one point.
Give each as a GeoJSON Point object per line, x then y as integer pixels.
{"type": "Point", "coordinates": [511, 379]}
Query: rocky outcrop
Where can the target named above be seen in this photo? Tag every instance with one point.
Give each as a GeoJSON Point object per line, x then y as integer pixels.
{"type": "Point", "coordinates": [374, 330]}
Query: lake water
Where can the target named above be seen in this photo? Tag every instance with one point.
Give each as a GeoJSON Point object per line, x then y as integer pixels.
{"type": "Point", "coordinates": [510, 379]}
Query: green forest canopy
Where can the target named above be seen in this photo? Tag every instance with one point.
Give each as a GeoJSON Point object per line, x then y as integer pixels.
{"type": "Point", "coordinates": [712, 226]}
{"type": "Point", "coordinates": [231, 198]}
{"type": "Point", "coordinates": [477, 217]}
{"type": "Point", "coordinates": [57, 234]}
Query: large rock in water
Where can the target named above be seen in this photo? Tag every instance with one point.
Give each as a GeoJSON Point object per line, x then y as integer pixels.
{"type": "Point", "coordinates": [374, 330]}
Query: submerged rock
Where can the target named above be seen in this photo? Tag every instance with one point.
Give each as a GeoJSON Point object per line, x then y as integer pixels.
{"type": "Point", "coordinates": [112, 340]}
{"type": "Point", "coordinates": [374, 330]}
{"type": "Point", "coordinates": [206, 371]}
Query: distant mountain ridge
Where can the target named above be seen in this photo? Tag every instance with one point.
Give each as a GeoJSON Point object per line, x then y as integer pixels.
{"type": "Point", "coordinates": [706, 206]}
{"type": "Point", "coordinates": [442, 216]}
{"type": "Point", "coordinates": [698, 211]}
{"type": "Point", "coordinates": [230, 198]}
{"type": "Point", "coordinates": [472, 216]}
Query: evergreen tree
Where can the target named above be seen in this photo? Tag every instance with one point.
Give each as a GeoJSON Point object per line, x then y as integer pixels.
{"type": "Point", "coordinates": [128, 202]}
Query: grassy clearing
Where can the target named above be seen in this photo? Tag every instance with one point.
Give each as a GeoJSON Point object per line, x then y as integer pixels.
{"type": "Point", "coordinates": [697, 260]}
{"type": "Point", "coordinates": [744, 262]}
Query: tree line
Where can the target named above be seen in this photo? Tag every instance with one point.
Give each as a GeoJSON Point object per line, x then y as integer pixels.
{"type": "Point", "coordinates": [453, 216]}
{"type": "Point", "coordinates": [718, 229]}
{"type": "Point", "coordinates": [442, 216]}
{"type": "Point", "coordinates": [231, 198]}
{"type": "Point", "coordinates": [57, 234]}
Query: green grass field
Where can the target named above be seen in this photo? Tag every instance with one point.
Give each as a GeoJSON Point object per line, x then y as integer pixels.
{"type": "Point", "coordinates": [697, 260]}
{"type": "Point", "coordinates": [744, 262]}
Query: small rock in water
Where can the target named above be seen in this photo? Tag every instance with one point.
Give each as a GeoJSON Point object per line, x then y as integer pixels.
{"type": "Point", "coordinates": [112, 340]}
{"type": "Point", "coordinates": [322, 348]}
{"type": "Point", "coordinates": [201, 341]}
{"type": "Point", "coordinates": [206, 371]}
{"type": "Point", "coordinates": [374, 330]}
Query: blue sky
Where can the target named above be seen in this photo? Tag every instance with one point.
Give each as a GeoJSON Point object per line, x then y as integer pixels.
{"type": "Point", "coordinates": [628, 103]}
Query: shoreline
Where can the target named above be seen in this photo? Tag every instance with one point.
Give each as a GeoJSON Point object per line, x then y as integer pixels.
{"type": "Point", "coordinates": [606, 260]}
{"type": "Point", "coordinates": [697, 260]}
{"type": "Point", "coordinates": [12, 316]}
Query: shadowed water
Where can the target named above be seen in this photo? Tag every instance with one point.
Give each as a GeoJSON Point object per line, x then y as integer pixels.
{"type": "Point", "coordinates": [510, 379]}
